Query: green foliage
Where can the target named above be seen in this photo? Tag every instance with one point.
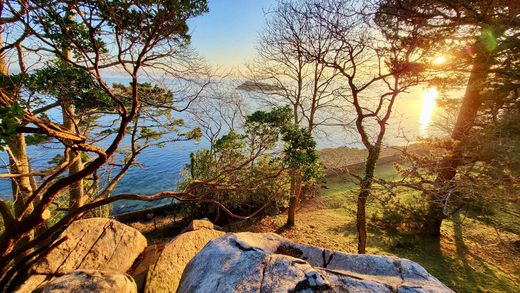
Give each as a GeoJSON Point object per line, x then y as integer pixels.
{"type": "Point", "coordinates": [400, 214]}
{"type": "Point", "coordinates": [276, 118]}
{"type": "Point", "coordinates": [10, 118]}
{"type": "Point", "coordinates": [195, 134]}
{"type": "Point", "coordinates": [256, 174]}
{"type": "Point", "coordinates": [243, 190]}
{"type": "Point", "coordinates": [300, 152]}
{"type": "Point", "coordinates": [232, 142]}
{"type": "Point", "coordinates": [36, 139]}
{"type": "Point", "coordinates": [148, 133]}
{"type": "Point", "coordinates": [138, 23]}
{"type": "Point", "coordinates": [62, 81]}
{"type": "Point", "coordinates": [488, 39]}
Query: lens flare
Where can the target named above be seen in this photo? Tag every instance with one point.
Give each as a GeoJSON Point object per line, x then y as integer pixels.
{"type": "Point", "coordinates": [439, 60]}
{"type": "Point", "coordinates": [429, 97]}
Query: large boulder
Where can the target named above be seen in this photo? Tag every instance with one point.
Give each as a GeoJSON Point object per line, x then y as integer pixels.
{"type": "Point", "coordinates": [165, 274]}
{"type": "Point", "coordinates": [96, 244]}
{"type": "Point", "coordinates": [266, 262]}
{"type": "Point", "coordinates": [91, 281]}
{"type": "Point", "coordinates": [91, 244]}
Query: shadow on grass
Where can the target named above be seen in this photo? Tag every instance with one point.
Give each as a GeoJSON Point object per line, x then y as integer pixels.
{"type": "Point", "coordinates": [460, 247]}
{"type": "Point", "coordinates": [283, 228]}
{"type": "Point", "coordinates": [461, 270]}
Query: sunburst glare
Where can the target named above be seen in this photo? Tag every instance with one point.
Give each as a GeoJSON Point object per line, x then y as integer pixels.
{"type": "Point", "coordinates": [439, 60]}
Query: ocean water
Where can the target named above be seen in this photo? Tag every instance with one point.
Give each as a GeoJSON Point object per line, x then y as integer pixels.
{"type": "Point", "coordinates": [161, 168]}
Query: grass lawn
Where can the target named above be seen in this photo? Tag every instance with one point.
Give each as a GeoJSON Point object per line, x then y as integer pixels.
{"type": "Point", "coordinates": [472, 256]}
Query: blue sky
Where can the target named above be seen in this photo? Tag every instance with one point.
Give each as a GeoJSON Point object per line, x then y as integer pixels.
{"type": "Point", "coordinates": [226, 36]}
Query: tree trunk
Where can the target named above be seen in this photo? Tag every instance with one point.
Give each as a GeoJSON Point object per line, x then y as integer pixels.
{"type": "Point", "coordinates": [471, 103]}
{"type": "Point", "coordinates": [76, 193]}
{"type": "Point", "coordinates": [292, 202]}
{"type": "Point", "coordinates": [19, 164]}
{"type": "Point", "coordinates": [364, 193]}
{"type": "Point", "coordinates": [361, 221]}
{"type": "Point", "coordinates": [296, 190]}
{"type": "Point", "coordinates": [18, 160]}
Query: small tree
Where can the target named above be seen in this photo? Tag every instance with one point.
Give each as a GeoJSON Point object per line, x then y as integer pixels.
{"type": "Point", "coordinates": [240, 170]}
{"type": "Point", "coordinates": [299, 155]}
{"type": "Point", "coordinates": [302, 160]}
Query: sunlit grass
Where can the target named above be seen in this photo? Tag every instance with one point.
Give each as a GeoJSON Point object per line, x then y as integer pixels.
{"type": "Point", "coordinates": [469, 258]}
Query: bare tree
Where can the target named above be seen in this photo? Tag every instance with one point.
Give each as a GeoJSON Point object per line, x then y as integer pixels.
{"type": "Point", "coordinates": [282, 75]}
{"type": "Point", "coordinates": [374, 71]}
{"type": "Point", "coordinates": [221, 110]}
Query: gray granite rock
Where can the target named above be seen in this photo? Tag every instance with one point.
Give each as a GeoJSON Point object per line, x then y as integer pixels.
{"type": "Point", "coordinates": [249, 262]}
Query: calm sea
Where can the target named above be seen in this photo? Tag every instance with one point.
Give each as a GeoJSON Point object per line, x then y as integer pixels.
{"type": "Point", "coordinates": [161, 168]}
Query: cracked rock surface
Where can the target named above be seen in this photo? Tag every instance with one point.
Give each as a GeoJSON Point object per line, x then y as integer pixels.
{"type": "Point", "coordinates": [91, 244]}
{"type": "Point", "coordinates": [91, 281]}
{"type": "Point", "coordinates": [266, 262]}
{"type": "Point", "coordinates": [94, 244]}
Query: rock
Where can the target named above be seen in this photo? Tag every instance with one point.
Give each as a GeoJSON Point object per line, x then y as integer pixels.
{"type": "Point", "coordinates": [96, 244]}
{"type": "Point", "coordinates": [91, 244]}
{"type": "Point", "coordinates": [165, 275]}
{"type": "Point", "coordinates": [200, 224]}
{"type": "Point", "coordinates": [266, 262]}
{"type": "Point", "coordinates": [92, 281]}
{"type": "Point", "coordinates": [34, 281]}
{"type": "Point", "coordinates": [149, 259]}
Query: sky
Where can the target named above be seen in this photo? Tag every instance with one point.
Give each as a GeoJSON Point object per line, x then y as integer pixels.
{"type": "Point", "coordinates": [226, 36]}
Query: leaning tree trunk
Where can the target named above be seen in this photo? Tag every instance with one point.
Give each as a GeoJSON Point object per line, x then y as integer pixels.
{"type": "Point", "coordinates": [18, 160]}
{"type": "Point", "coordinates": [469, 108]}
{"type": "Point", "coordinates": [364, 193]}
{"type": "Point", "coordinates": [19, 164]}
{"type": "Point", "coordinates": [76, 193]}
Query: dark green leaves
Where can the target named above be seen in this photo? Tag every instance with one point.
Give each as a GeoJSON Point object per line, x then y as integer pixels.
{"type": "Point", "coordinates": [63, 81]}
{"type": "Point", "coordinates": [300, 151]}
{"type": "Point", "coordinates": [10, 118]}
{"type": "Point", "coordinates": [277, 117]}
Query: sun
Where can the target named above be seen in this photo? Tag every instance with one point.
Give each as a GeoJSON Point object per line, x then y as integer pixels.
{"type": "Point", "coordinates": [429, 98]}
{"type": "Point", "coordinates": [439, 60]}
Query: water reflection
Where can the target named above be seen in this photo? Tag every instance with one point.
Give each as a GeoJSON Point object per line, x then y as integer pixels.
{"type": "Point", "coordinates": [428, 107]}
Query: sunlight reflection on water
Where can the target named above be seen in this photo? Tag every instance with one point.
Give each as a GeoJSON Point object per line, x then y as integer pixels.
{"type": "Point", "coordinates": [429, 104]}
